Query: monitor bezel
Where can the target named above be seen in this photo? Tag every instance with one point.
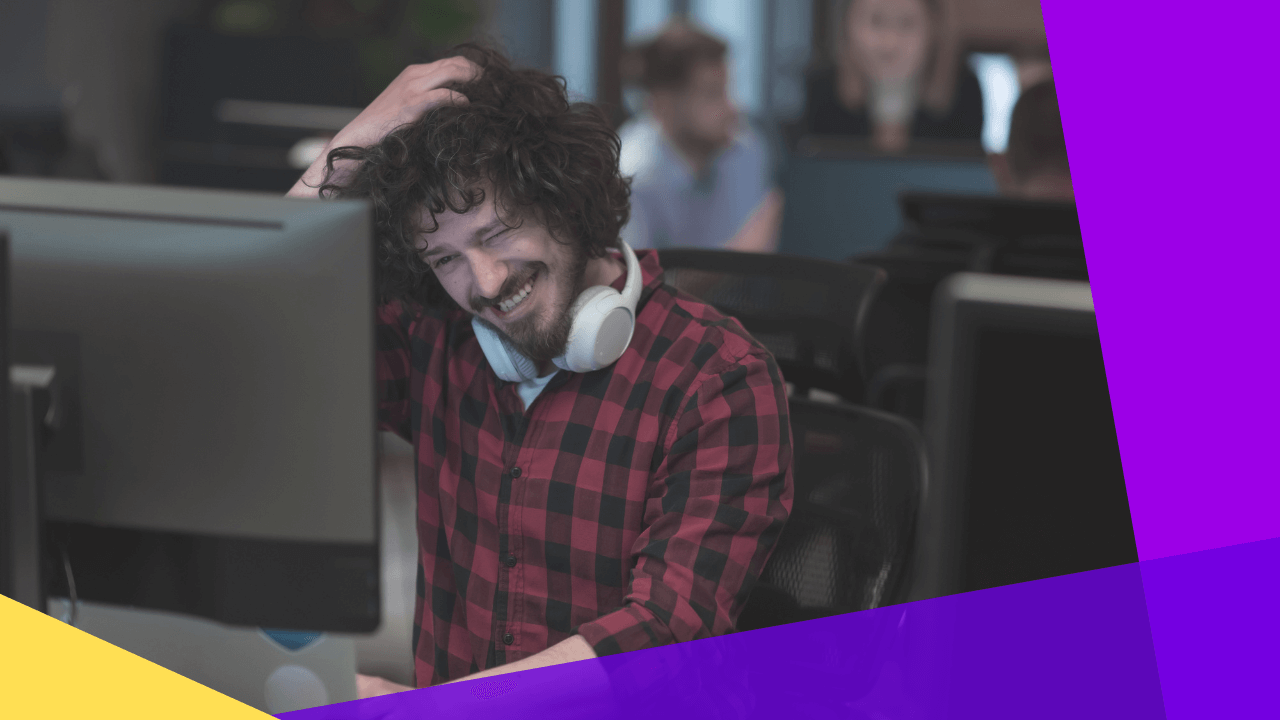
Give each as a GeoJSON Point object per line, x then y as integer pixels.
{"type": "Point", "coordinates": [245, 581]}
{"type": "Point", "coordinates": [966, 304]}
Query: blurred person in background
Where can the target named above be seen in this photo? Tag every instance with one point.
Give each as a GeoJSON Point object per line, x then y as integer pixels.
{"type": "Point", "coordinates": [701, 175]}
{"type": "Point", "coordinates": [1035, 164]}
{"type": "Point", "coordinates": [1034, 67]}
{"type": "Point", "coordinates": [897, 76]}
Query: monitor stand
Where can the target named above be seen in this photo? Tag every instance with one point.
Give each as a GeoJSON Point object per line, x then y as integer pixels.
{"type": "Point", "coordinates": [32, 413]}
{"type": "Point", "coordinates": [272, 670]}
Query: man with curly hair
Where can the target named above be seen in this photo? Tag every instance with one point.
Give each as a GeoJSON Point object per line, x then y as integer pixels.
{"type": "Point", "coordinates": [570, 504]}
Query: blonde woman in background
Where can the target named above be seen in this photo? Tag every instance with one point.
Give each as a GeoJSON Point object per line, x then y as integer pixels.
{"type": "Point", "coordinates": [897, 75]}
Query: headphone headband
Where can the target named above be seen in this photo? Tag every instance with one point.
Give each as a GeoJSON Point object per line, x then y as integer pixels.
{"type": "Point", "coordinates": [635, 283]}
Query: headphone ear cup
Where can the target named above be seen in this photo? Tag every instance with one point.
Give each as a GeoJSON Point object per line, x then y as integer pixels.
{"type": "Point", "coordinates": [588, 300]}
{"type": "Point", "coordinates": [614, 335]}
{"type": "Point", "coordinates": [590, 314]}
{"type": "Point", "coordinates": [603, 322]}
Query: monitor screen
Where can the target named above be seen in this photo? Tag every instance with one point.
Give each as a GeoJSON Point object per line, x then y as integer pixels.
{"type": "Point", "coordinates": [7, 512]}
{"type": "Point", "coordinates": [217, 454]}
{"type": "Point", "coordinates": [1027, 481]}
{"type": "Point", "coordinates": [1046, 492]}
{"type": "Point", "coordinates": [842, 203]}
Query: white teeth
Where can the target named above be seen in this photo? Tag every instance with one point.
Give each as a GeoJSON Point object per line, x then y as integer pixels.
{"type": "Point", "coordinates": [509, 305]}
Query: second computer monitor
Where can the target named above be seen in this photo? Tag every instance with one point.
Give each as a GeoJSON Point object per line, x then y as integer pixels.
{"type": "Point", "coordinates": [841, 202]}
{"type": "Point", "coordinates": [1026, 478]}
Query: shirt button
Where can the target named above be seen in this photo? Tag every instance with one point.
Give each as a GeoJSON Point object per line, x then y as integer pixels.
{"type": "Point", "coordinates": [515, 472]}
{"type": "Point", "coordinates": [510, 561]}
{"type": "Point", "coordinates": [508, 638]}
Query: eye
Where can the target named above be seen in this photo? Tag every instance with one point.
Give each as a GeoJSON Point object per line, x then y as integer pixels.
{"type": "Point", "coordinates": [439, 263]}
{"type": "Point", "coordinates": [498, 236]}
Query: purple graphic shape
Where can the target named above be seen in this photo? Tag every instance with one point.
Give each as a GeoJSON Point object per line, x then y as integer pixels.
{"type": "Point", "coordinates": [1215, 623]}
{"type": "Point", "coordinates": [1171, 130]}
{"type": "Point", "coordinates": [1067, 647]}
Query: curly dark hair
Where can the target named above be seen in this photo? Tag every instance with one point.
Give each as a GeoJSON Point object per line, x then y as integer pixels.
{"type": "Point", "coordinates": [545, 158]}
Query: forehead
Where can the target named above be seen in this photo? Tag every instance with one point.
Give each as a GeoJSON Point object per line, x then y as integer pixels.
{"type": "Point", "coordinates": [862, 9]}
{"type": "Point", "coordinates": [453, 229]}
{"type": "Point", "coordinates": [708, 72]}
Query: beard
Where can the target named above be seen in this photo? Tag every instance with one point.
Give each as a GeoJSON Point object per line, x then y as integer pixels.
{"type": "Point", "coordinates": [537, 337]}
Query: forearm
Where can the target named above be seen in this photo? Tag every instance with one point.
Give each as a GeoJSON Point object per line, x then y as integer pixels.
{"type": "Point", "coordinates": [308, 186]}
{"type": "Point", "coordinates": [760, 232]}
{"type": "Point", "coordinates": [585, 689]}
{"type": "Point", "coordinates": [571, 650]}
{"type": "Point", "coordinates": [416, 90]}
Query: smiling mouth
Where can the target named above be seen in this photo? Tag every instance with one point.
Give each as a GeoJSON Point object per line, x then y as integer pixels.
{"type": "Point", "coordinates": [515, 301]}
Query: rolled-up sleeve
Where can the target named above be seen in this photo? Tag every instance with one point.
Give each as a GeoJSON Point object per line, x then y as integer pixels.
{"type": "Point", "coordinates": [717, 504]}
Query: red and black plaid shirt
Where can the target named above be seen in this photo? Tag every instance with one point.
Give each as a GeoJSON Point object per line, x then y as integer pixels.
{"type": "Point", "coordinates": [634, 505]}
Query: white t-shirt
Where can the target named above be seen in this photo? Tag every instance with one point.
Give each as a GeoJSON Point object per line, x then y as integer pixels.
{"type": "Point", "coordinates": [531, 389]}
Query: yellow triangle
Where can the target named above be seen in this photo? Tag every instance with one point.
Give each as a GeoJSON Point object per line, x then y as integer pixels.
{"type": "Point", "coordinates": [49, 669]}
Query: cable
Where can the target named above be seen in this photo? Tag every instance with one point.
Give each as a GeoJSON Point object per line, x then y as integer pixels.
{"type": "Point", "coordinates": [71, 586]}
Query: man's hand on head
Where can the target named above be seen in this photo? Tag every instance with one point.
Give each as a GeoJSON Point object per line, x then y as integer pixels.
{"type": "Point", "coordinates": [416, 90]}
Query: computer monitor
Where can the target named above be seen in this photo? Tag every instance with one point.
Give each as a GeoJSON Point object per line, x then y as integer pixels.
{"type": "Point", "coordinates": [1026, 479]}
{"type": "Point", "coordinates": [840, 202]}
{"type": "Point", "coordinates": [8, 514]}
{"type": "Point", "coordinates": [217, 450]}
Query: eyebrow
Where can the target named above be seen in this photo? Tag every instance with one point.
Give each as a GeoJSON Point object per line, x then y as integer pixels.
{"type": "Point", "coordinates": [479, 235]}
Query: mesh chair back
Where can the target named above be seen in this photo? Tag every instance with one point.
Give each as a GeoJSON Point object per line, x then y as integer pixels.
{"type": "Point", "coordinates": [810, 313]}
{"type": "Point", "coordinates": [859, 474]}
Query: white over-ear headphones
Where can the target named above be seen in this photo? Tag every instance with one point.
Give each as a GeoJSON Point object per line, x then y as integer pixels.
{"type": "Point", "coordinates": [603, 322]}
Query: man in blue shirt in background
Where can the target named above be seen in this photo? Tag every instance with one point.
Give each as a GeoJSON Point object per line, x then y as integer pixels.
{"type": "Point", "coordinates": [701, 175]}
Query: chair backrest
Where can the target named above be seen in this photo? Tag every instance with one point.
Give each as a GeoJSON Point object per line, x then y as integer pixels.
{"type": "Point", "coordinates": [859, 475]}
{"type": "Point", "coordinates": [897, 330]}
{"type": "Point", "coordinates": [944, 235]}
{"type": "Point", "coordinates": [1005, 236]}
{"type": "Point", "coordinates": [810, 313]}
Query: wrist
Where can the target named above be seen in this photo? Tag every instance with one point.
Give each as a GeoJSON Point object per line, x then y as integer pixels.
{"type": "Point", "coordinates": [308, 186]}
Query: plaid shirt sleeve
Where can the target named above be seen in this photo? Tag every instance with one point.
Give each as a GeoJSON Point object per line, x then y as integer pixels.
{"type": "Point", "coordinates": [393, 327]}
{"type": "Point", "coordinates": [716, 506]}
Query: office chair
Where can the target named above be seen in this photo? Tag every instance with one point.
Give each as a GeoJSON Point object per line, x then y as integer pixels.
{"type": "Point", "coordinates": [897, 326]}
{"type": "Point", "coordinates": [809, 313]}
{"type": "Point", "coordinates": [859, 475]}
{"type": "Point", "coordinates": [946, 235]}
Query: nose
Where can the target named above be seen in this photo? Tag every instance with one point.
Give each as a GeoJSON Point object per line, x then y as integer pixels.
{"type": "Point", "coordinates": [490, 274]}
